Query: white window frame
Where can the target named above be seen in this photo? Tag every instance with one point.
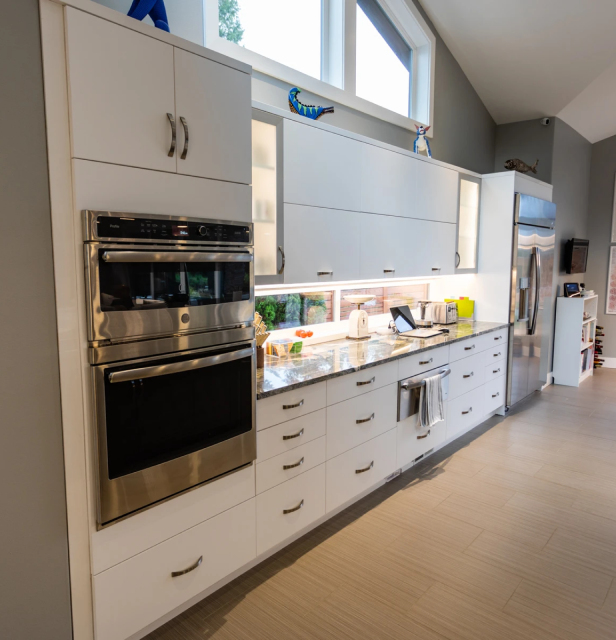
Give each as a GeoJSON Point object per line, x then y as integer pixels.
{"type": "Point", "coordinates": [338, 59]}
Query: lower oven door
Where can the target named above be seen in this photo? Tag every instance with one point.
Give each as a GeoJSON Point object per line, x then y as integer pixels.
{"type": "Point", "coordinates": [167, 424]}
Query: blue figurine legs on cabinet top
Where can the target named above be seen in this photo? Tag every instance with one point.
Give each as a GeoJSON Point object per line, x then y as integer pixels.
{"type": "Point", "coordinates": [154, 8]}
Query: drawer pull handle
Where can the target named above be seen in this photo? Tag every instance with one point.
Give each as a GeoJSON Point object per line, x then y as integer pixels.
{"type": "Point", "coordinates": [175, 574]}
{"type": "Point", "coordinates": [366, 468]}
{"type": "Point", "coordinates": [294, 509]}
{"type": "Point", "coordinates": [295, 435]}
{"type": "Point", "coordinates": [469, 348]}
{"type": "Point", "coordinates": [425, 435]}
{"type": "Point", "coordinates": [286, 467]}
{"type": "Point", "coordinates": [469, 375]}
{"type": "Point", "coordinates": [495, 395]}
{"type": "Point", "coordinates": [389, 271]}
{"type": "Point", "coordinates": [325, 273]}
{"type": "Point", "coordinates": [363, 420]}
{"type": "Point", "coordinates": [498, 338]}
{"type": "Point", "coordinates": [497, 354]}
{"type": "Point", "coordinates": [426, 361]}
{"type": "Point", "coordinates": [495, 370]}
{"type": "Point", "coordinates": [361, 384]}
{"type": "Point", "coordinates": [293, 406]}
{"type": "Point", "coordinates": [469, 411]}
{"type": "Point", "coordinates": [436, 268]}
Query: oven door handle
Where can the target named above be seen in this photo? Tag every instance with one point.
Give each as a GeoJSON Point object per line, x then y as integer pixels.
{"type": "Point", "coordinates": [174, 256]}
{"type": "Point", "coordinates": [178, 367]}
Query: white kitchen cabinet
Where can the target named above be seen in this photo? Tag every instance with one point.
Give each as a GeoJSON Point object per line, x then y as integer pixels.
{"type": "Point", "coordinates": [387, 182]}
{"type": "Point", "coordinates": [436, 193]}
{"type": "Point", "coordinates": [467, 241]}
{"type": "Point", "coordinates": [214, 101]}
{"type": "Point", "coordinates": [466, 374]}
{"type": "Point", "coordinates": [289, 435]}
{"type": "Point", "coordinates": [388, 247]}
{"type": "Point", "coordinates": [321, 169]}
{"type": "Point", "coordinates": [465, 412]}
{"type": "Point", "coordinates": [121, 88]}
{"type": "Point", "coordinates": [321, 245]}
{"type": "Point", "coordinates": [432, 250]}
{"type": "Point", "coordinates": [413, 441]}
{"type": "Point", "coordinates": [362, 382]}
{"type": "Point", "coordinates": [292, 404]}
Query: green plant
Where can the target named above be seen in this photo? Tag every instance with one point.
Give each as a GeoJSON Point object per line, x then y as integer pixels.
{"type": "Point", "coordinates": [229, 26]}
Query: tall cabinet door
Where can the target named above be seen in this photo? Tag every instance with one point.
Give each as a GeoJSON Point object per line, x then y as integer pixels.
{"type": "Point", "coordinates": [120, 92]}
{"type": "Point", "coordinates": [388, 247]}
{"type": "Point", "coordinates": [214, 101]}
{"type": "Point", "coordinates": [435, 247]}
{"type": "Point", "coordinates": [436, 192]}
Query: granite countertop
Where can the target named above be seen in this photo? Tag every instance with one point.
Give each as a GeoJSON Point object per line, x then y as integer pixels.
{"type": "Point", "coordinates": [332, 359]}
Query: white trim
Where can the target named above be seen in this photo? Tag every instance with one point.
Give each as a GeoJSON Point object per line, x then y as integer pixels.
{"type": "Point", "coordinates": [614, 213]}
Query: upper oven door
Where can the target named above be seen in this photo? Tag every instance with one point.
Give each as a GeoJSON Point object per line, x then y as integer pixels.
{"type": "Point", "coordinates": [143, 292]}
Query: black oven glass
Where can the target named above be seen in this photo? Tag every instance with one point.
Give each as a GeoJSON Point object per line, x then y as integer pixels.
{"type": "Point", "coordinates": [142, 286]}
{"type": "Point", "coordinates": [154, 420]}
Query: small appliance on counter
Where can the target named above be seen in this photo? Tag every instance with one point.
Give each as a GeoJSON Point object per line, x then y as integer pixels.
{"type": "Point", "coordinates": [444, 312]}
{"type": "Point", "coordinates": [358, 320]}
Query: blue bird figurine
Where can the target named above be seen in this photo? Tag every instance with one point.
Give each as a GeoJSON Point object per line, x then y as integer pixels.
{"type": "Point", "coordinates": [309, 111]}
{"type": "Point", "coordinates": [421, 142]}
{"type": "Point", "coordinates": [154, 8]}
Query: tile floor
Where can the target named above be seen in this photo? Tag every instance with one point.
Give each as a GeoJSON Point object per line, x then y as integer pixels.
{"type": "Point", "coordinates": [509, 533]}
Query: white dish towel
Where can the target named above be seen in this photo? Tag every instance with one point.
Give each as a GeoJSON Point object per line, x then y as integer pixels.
{"type": "Point", "coordinates": [431, 408]}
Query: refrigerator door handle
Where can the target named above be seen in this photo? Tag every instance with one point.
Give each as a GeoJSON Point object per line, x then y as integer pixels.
{"type": "Point", "coordinates": [537, 257]}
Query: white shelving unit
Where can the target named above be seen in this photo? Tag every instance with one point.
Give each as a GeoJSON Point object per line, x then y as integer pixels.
{"type": "Point", "coordinates": [574, 341]}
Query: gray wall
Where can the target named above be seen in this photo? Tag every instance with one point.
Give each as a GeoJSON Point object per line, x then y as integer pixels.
{"type": "Point", "coordinates": [601, 201]}
{"type": "Point", "coordinates": [34, 586]}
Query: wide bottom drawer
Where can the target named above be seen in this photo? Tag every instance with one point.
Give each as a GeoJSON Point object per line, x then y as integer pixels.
{"type": "Point", "coordinates": [465, 412]}
{"type": "Point", "coordinates": [137, 592]}
{"type": "Point", "coordinates": [413, 441]}
{"type": "Point", "coordinates": [353, 472]}
{"type": "Point", "coordinates": [289, 507]}
{"type": "Point", "coordinates": [494, 394]}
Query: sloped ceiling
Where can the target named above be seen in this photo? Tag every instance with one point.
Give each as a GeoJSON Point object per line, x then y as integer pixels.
{"type": "Point", "coordinates": [533, 58]}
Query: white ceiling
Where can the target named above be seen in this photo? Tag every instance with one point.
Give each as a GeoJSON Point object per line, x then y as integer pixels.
{"type": "Point", "coordinates": [533, 58]}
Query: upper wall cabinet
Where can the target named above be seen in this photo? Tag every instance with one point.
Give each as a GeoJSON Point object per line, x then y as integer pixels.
{"type": "Point", "coordinates": [213, 105]}
{"type": "Point", "coordinates": [132, 104]}
{"type": "Point", "coordinates": [387, 182]}
{"type": "Point", "coordinates": [436, 195]}
{"type": "Point", "coordinates": [321, 169]}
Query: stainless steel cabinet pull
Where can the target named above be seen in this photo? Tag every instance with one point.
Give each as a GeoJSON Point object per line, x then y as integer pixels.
{"type": "Point", "coordinates": [365, 420]}
{"type": "Point", "coordinates": [175, 574]}
{"type": "Point", "coordinates": [293, 406]}
{"type": "Point", "coordinates": [286, 467]}
{"type": "Point", "coordinates": [281, 270]}
{"type": "Point", "coordinates": [457, 259]}
{"type": "Point", "coordinates": [389, 271]}
{"type": "Point", "coordinates": [361, 384]}
{"type": "Point", "coordinates": [365, 468]}
{"type": "Point", "coordinates": [496, 371]}
{"type": "Point", "coordinates": [465, 412]}
{"type": "Point", "coordinates": [185, 125]}
{"type": "Point", "coordinates": [325, 273]}
{"type": "Point", "coordinates": [294, 509]}
{"type": "Point", "coordinates": [469, 348]}
{"type": "Point", "coordinates": [497, 354]}
{"type": "Point", "coordinates": [436, 268]}
{"type": "Point", "coordinates": [426, 361]}
{"type": "Point", "coordinates": [495, 395]}
{"type": "Point", "coordinates": [425, 435]}
{"type": "Point", "coordinates": [498, 338]}
{"type": "Point", "coordinates": [173, 135]}
{"type": "Point", "coordinates": [469, 375]}
{"type": "Point", "coordinates": [295, 435]}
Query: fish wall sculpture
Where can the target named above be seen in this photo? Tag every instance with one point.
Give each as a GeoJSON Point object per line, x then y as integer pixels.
{"type": "Point", "coordinates": [306, 110]}
{"type": "Point", "coordinates": [515, 164]}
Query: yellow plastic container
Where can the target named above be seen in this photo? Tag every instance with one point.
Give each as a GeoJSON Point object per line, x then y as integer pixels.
{"type": "Point", "coordinates": [466, 306]}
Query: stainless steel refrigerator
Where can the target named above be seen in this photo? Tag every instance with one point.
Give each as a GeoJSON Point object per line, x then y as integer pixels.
{"type": "Point", "coordinates": [531, 296]}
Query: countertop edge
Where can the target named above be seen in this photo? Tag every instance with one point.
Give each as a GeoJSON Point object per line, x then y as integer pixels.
{"type": "Point", "coordinates": [337, 374]}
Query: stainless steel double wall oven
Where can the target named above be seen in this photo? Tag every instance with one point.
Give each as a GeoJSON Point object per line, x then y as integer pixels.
{"type": "Point", "coordinates": [171, 344]}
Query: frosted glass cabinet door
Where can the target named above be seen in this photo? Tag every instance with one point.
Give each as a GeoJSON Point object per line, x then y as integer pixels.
{"type": "Point", "coordinates": [215, 102]}
{"type": "Point", "coordinates": [468, 224]}
{"type": "Point", "coordinates": [120, 91]}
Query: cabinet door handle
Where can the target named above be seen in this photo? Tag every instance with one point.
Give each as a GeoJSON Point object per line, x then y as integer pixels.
{"type": "Point", "coordinates": [365, 468]}
{"type": "Point", "coordinates": [495, 395]}
{"type": "Point", "coordinates": [325, 273]}
{"type": "Point", "coordinates": [469, 375]}
{"type": "Point", "coordinates": [361, 384]}
{"type": "Point", "coordinates": [498, 338]}
{"type": "Point", "coordinates": [185, 125]}
{"type": "Point", "coordinates": [294, 509]}
{"type": "Point", "coordinates": [426, 361]}
{"type": "Point", "coordinates": [173, 135]}
{"type": "Point", "coordinates": [293, 406]}
{"type": "Point", "coordinates": [457, 259]}
{"type": "Point", "coordinates": [281, 270]}
{"type": "Point", "coordinates": [436, 268]}
{"type": "Point", "coordinates": [497, 354]}
{"type": "Point", "coordinates": [469, 348]}
{"type": "Point", "coordinates": [365, 420]}
{"type": "Point", "coordinates": [425, 435]}
{"type": "Point", "coordinates": [286, 467]}
{"type": "Point", "coordinates": [496, 371]}
{"type": "Point", "coordinates": [175, 574]}
{"type": "Point", "coordinates": [465, 412]}
{"type": "Point", "coordinates": [389, 271]}
{"type": "Point", "coordinates": [295, 435]}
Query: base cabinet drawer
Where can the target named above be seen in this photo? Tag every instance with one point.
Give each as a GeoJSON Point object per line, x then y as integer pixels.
{"type": "Point", "coordinates": [495, 370]}
{"type": "Point", "coordinates": [465, 412]}
{"type": "Point", "coordinates": [289, 507]}
{"type": "Point", "coordinates": [466, 375]}
{"type": "Point", "coordinates": [412, 441]}
{"type": "Point", "coordinates": [422, 362]}
{"type": "Point", "coordinates": [356, 384]}
{"type": "Point", "coordinates": [494, 354]}
{"type": "Point", "coordinates": [290, 464]}
{"type": "Point", "coordinates": [495, 394]}
{"type": "Point", "coordinates": [291, 404]}
{"type": "Point", "coordinates": [360, 419]}
{"type": "Point", "coordinates": [465, 348]}
{"type": "Point", "coordinates": [357, 470]}
{"type": "Point", "coordinates": [290, 435]}
{"type": "Point", "coordinates": [137, 592]}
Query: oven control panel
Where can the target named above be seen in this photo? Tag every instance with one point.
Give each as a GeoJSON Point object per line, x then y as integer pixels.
{"type": "Point", "coordinates": [136, 229]}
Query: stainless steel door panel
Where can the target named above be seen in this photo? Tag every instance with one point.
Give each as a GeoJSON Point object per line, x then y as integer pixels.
{"type": "Point", "coordinates": [534, 211]}
{"type": "Point", "coordinates": [545, 242]}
